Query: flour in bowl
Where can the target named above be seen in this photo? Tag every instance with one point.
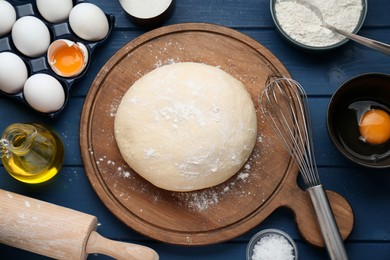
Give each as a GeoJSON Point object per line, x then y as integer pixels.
{"type": "Point", "coordinates": [304, 26]}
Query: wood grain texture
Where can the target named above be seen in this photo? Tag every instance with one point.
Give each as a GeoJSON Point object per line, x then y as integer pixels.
{"type": "Point", "coordinates": [367, 190]}
{"type": "Point", "coordinates": [44, 228]}
{"type": "Point", "coordinates": [326, 153]}
{"type": "Point", "coordinates": [321, 75]}
{"type": "Point", "coordinates": [235, 13]}
{"type": "Point", "coordinates": [119, 250]}
{"type": "Point", "coordinates": [167, 216]}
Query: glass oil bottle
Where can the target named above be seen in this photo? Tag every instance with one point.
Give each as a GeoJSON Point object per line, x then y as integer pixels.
{"type": "Point", "coordinates": [31, 153]}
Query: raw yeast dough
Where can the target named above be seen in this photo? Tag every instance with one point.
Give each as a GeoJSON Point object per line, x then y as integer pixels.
{"type": "Point", "coordinates": [186, 126]}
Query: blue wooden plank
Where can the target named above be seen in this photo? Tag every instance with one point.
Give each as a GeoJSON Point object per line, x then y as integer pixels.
{"type": "Point", "coordinates": [71, 189]}
{"type": "Point", "coordinates": [235, 13]}
{"type": "Point", "coordinates": [365, 189]}
{"type": "Point", "coordinates": [67, 127]}
{"type": "Point", "coordinates": [225, 251]}
{"type": "Point", "coordinates": [320, 74]}
{"type": "Point", "coordinates": [228, 251]}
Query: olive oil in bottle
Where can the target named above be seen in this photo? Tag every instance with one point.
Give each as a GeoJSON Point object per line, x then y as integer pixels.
{"type": "Point", "coordinates": [31, 153]}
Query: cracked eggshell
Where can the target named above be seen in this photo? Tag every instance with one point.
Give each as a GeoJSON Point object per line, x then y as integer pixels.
{"type": "Point", "coordinates": [67, 58]}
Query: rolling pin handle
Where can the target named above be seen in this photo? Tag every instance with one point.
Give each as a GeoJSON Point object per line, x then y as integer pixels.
{"type": "Point", "coordinates": [119, 250]}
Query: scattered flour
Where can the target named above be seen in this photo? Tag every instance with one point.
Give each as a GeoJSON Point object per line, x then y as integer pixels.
{"type": "Point", "coordinates": [126, 174]}
{"type": "Point", "coordinates": [160, 63]}
{"type": "Point", "coordinates": [242, 175]}
{"type": "Point", "coordinates": [114, 107]}
{"type": "Point", "coordinates": [196, 200]}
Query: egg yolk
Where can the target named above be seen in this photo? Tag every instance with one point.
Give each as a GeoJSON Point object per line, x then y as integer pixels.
{"type": "Point", "coordinates": [374, 126]}
{"type": "Point", "coordinates": [68, 60]}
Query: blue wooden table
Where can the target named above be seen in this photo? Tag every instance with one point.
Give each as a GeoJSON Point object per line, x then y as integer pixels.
{"type": "Point", "coordinates": [367, 190]}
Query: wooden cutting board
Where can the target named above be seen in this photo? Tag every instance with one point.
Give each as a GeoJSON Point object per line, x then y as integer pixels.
{"type": "Point", "coordinates": [266, 182]}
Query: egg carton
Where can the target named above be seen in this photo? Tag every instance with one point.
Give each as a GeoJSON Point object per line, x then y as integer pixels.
{"type": "Point", "coordinates": [40, 64]}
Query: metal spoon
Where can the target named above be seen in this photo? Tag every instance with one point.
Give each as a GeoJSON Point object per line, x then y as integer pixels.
{"type": "Point", "coordinates": [376, 45]}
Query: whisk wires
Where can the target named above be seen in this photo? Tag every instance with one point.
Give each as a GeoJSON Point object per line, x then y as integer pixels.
{"type": "Point", "coordinates": [284, 104]}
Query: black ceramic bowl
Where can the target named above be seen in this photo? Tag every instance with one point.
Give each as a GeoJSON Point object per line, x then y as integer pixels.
{"type": "Point", "coordinates": [347, 106]}
{"type": "Point", "coordinates": [309, 48]}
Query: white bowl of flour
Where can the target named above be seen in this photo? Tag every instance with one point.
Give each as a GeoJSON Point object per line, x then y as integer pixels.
{"type": "Point", "coordinates": [302, 27]}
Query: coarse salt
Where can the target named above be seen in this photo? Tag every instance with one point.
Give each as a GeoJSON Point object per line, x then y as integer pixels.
{"type": "Point", "coordinates": [273, 247]}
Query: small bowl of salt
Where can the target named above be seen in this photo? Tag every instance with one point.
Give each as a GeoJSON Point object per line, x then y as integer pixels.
{"type": "Point", "coordinates": [300, 26]}
{"type": "Point", "coordinates": [271, 244]}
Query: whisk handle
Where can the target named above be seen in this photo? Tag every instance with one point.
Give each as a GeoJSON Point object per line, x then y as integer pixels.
{"type": "Point", "coordinates": [327, 223]}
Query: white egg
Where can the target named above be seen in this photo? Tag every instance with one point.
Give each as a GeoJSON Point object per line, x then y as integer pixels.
{"type": "Point", "coordinates": [89, 22]}
{"type": "Point", "coordinates": [44, 93]}
{"type": "Point", "coordinates": [55, 11]}
{"type": "Point", "coordinates": [13, 73]}
{"type": "Point", "coordinates": [31, 36]}
{"type": "Point", "coordinates": [7, 17]}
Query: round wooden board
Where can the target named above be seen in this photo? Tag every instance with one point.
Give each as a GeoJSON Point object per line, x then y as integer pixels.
{"type": "Point", "coordinates": [196, 218]}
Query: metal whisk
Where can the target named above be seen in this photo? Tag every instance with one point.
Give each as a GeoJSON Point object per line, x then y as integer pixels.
{"type": "Point", "coordinates": [285, 106]}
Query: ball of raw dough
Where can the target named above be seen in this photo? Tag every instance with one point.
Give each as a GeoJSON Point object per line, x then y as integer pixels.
{"type": "Point", "coordinates": [186, 126]}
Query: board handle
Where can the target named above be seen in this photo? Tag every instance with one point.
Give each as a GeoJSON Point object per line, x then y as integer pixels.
{"type": "Point", "coordinates": [307, 221]}
{"type": "Point", "coordinates": [119, 250]}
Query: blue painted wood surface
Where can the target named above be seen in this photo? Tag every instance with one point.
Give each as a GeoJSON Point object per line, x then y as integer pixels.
{"type": "Point", "coordinates": [367, 190]}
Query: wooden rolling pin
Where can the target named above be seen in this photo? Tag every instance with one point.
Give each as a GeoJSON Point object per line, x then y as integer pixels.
{"type": "Point", "coordinates": [58, 232]}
